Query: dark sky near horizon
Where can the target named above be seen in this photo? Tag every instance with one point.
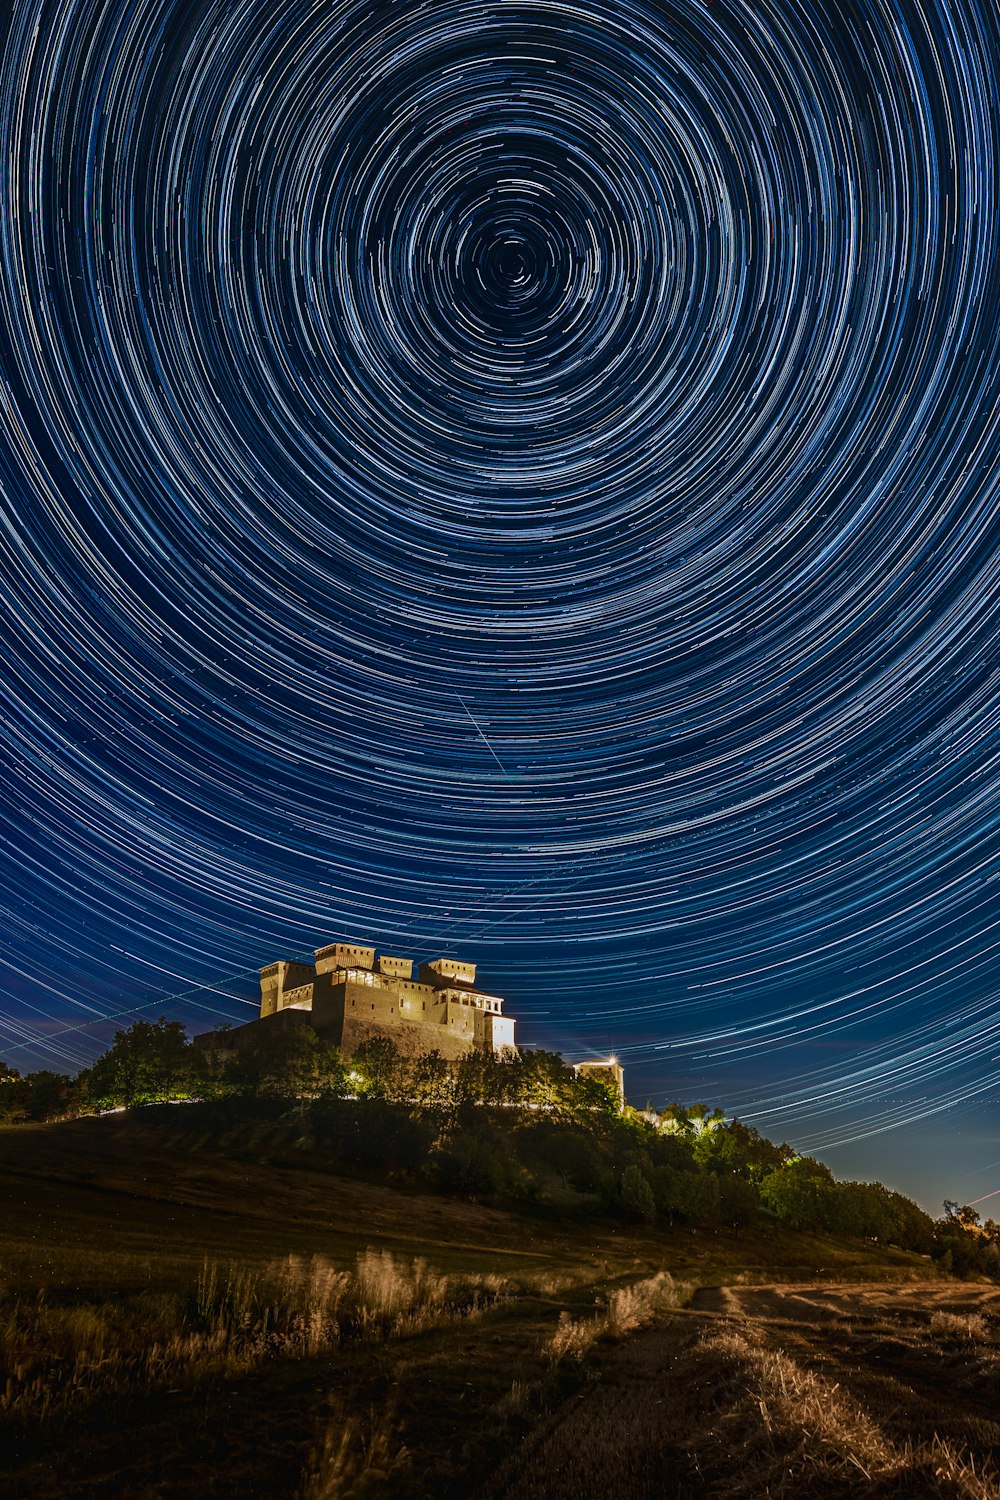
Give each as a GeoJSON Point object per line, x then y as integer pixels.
{"type": "Point", "coordinates": [520, 480]}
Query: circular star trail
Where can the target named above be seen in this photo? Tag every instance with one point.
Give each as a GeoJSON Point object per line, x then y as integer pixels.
{"type": "Point", "coordinates": [519, 477]}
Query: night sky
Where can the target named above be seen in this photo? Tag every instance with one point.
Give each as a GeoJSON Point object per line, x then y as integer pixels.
{"type": "Point", "coordinates": [518, 480]}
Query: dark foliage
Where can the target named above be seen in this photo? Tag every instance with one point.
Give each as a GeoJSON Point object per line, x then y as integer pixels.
{"type": "Point", "coordinates": [505, 1128]}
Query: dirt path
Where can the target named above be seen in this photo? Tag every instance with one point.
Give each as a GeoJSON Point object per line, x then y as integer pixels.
{"type": "Point", "coordinates": [621, 1439]}
{"type": "Point", "coordinates": [790, 1390]}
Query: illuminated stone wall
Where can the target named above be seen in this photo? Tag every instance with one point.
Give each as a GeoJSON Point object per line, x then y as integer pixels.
{"type": "Point", "coordinates": [351, 996]}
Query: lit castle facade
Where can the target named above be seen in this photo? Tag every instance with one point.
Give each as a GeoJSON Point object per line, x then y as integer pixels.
{"type": "Point", "coordinates": [350, 996]}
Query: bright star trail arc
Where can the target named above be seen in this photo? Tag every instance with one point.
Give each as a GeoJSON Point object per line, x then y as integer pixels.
{"type": "Point", "coordinates": [520, 478]}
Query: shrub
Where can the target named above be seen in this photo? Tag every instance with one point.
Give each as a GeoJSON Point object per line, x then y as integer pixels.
{"type": "Point", "coordinates": [637, 1196]}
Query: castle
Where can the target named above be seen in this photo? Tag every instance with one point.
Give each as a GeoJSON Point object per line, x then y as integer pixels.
{"type": "Point", "coordinates": [349, 996]}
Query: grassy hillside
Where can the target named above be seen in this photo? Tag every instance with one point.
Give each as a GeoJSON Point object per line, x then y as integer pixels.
{"type": "Point", "coordinates": [90, 1198]}
{"type": "Point", "coordinates": [159, 1282]}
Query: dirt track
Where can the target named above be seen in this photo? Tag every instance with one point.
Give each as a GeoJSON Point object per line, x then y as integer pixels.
{"type": "Point", "coordinates": [680, 1409]}
{"type": "Point", "coordinates": [825, 1304]}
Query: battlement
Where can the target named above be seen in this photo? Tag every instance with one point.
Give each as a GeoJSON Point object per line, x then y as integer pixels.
{"type": "Point", "coordinates": [399, 968]}
{"type": "Point", "coordinates": [440, 969]}
{"type": "Point", "coordinates": [343, 956]}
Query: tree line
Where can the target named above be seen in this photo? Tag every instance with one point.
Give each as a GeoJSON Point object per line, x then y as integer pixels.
{"type": "Point", "coordinates": [516, 1127]}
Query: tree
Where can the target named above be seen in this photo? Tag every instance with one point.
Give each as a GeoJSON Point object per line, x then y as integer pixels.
{"type": "Point", "coordinates": [864, 1209]}
{"type": "Point", "coordinates": [547, 1081]}
{"type": "Point", "coordinates": [964, 1244]}
{"type": "Point", "coordinates": [431, 1081]}
{"type": "Point", "coordinates": [914, 1229]}
{"type": "Point", "coordinates": [579, 1158]}
{"type": "Point", "coordinates": [499, 1082]}
{"type": "Point", "coordinates": [151, 1060]}
{"type": "Point", "coordinates": [734, 1147]}
{"type": "Point", "coordinates": [47, 1095]}
{"type": "Point", "coordinates": [693, 1197]}
{"type": "Point", "coordinates": [381, 1073]}
{"type": "Point", "coordinates": [12, 1094]}
{"type": "Point", "coordinates": [964, 1216]}
{"type": "Point", "coordinates": [674, 1151]}
{"type": "Point", "coordinates": [636, 1195]}
{"type": "Point", "coordinates": [801, 1194]}
{"type": "Point", "coordinates": [691, 1121]}
{"type": "Point", "coordinates": [469, 1082]}
{"type": "Point", "coordinates": [739, 1201]}
{"type": "Point", "coordinates": [472, 1161]}
{"type": "Point", "coordinates": [596, 1095]}
{"type": "Point", "coordinates": [289, 1062]}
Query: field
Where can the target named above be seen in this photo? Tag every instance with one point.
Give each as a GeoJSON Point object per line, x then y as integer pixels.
{"type": "Point", "coordinates": [819, 1391]}
{"type": "Point", "coordinates": [180, 1321]}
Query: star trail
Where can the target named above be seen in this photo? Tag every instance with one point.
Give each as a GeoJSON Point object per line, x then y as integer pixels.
{"type": "Point", "coordinates": [518, 478]}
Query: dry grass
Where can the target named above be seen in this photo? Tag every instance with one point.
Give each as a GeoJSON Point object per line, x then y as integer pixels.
{"type": "Point", "coordinates": [626, 1309]}
{"type": "Point", "coordinates": [789, 1430]}
{"type": "Point", "coordinates": [524, 1398]}
{"type": "Point", "coordinates": [54, 1358]}
{"type": "Point", "coordinates": [972, 1326]}
{"type": "Point", "coordinates": [571, 1338]}
{"type": "Point", "coordinates": [634, 1306]}
{"type": "Point", "coordinates": [355, 1458]}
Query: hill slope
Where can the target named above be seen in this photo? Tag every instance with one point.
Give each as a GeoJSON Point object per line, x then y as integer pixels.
{"type": "Point", "coordinates": [106, 1226]}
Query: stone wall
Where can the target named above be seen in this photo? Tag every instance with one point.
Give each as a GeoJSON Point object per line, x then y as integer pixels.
{"type": "Point", "coordinates": [410, 1038]}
